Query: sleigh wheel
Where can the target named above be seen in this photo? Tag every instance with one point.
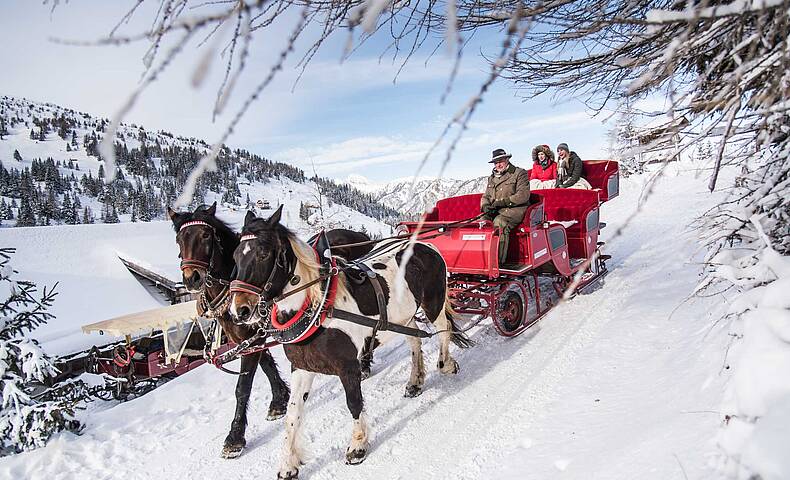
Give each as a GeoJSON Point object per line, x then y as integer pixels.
{"type": "Point", "coordinates": [510, 310]}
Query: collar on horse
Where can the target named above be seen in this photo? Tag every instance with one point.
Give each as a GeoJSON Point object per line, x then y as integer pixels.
{"type": "Point", "coordinates": [311, 315]}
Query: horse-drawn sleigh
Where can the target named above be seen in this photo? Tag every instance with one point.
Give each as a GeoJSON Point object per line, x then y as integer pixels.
{"type": "Point", "coordinates": [331, 312]}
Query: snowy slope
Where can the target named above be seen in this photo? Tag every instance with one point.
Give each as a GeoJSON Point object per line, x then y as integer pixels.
{"type": "Point", "coordinates": [621, 383]}
{"type": "Point", "coordinates": [22, 113]}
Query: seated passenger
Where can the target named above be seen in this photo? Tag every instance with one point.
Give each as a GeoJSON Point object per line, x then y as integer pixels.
{"type": "Point", "coordinates": [544, 170]}
{"type": "Point", "coordinates": [570, 169]}
{"type": "Point", "coordinates": [506, 197]}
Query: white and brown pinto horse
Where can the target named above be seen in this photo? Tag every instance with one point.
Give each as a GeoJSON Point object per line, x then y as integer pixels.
{"type": "Point", "coordinates": [271, 262]}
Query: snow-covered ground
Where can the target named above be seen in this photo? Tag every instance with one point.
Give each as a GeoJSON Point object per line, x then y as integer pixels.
{"type": "Point", "coordinates": [621, 383]}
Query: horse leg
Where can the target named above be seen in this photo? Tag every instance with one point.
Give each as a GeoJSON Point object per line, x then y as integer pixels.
{"type": "Point", "coordinates": [280, 390]}
{"type": "Point", "coordinates": [301, 381]}
{"type": "Point", "coordinates": [447, 363]}
{"type": "Point", "coordinates": [234, 442]}
{"type": "Point", "coordinates": [417, 377]}
{"type": "Point", "coordinates": [367, 356]}
{"type": "Point", "coordinates": [358, 448]}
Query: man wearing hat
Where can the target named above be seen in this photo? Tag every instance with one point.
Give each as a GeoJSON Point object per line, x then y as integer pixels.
{"type": "Point", "coordinates": [506, 197]}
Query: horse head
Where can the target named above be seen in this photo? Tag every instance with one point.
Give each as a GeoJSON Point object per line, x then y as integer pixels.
{"type": "Point", "coordinates": [265, 262]}
{"type": "Point", "coordinates": [200, 246]}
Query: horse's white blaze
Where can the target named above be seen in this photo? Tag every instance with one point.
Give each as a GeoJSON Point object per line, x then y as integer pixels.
{"type": "Point", "coordinates": [246, 249]}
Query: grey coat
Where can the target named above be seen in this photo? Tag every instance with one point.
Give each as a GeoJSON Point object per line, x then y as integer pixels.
{"type": "Point", "coordinates": [509, 192]}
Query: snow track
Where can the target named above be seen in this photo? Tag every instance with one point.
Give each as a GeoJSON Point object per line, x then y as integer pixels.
{"type": "Point", "coordinates": [605, 386]}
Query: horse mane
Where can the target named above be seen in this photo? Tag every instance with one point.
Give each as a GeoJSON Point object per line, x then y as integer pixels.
{"type": "Point", "coordinates": [307, 266]}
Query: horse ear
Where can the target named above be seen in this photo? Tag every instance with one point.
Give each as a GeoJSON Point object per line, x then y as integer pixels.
{"type": "Point", "coordinates": [212, 209]}
{"type": "Point", "coordinates": [249, 217]}
{"type": "Point", "coordinates": [172, 214]}
{"type": "Point", "coordinates": [275, 218]}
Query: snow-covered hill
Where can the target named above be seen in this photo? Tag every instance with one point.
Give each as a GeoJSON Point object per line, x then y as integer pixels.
{"type": "Point", "coordinates": [58, 148]}
{"type": "Point", "coordinates": [620, 383]}
{"type": "Point", "coordinates": [420, 197]}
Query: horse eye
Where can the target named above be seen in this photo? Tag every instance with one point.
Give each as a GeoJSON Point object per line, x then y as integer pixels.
{"type": "Point", "coordinates": [206, 235]}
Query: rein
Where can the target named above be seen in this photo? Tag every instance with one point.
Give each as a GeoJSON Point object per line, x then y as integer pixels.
{"type": "Point", "coordinates": [217, 307]}
{"type": "Point", "coordinates": [308, 318]}
{"type": "Point", "coordinates": [402, 236]}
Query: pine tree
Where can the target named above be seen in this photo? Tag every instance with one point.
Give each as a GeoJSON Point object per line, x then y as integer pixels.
{"type": "Point", "coordinates": [17, 156]}
{"type": "Point", "coordinates": [26, 216]}
{"type": "Point", "coordinates": [27, 422]}
{"type": "Point", "coordinates": [68, 212]}
{"type": "Point", "coordinates": [87, 215]}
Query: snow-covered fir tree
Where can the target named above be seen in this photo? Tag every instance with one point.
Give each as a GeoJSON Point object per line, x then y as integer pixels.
{"type": "Point", "coordinates": [30, 413]}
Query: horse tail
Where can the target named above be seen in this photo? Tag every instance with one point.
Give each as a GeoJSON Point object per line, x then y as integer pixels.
{"type": "Point", "coordinates": [459, 338]}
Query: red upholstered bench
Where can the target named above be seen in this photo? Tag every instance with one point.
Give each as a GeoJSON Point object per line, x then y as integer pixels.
{"type": "Point", "coordinates": [581, 206]}
{"type": "Point", "coordinates": [604, 175]}
{"type": "Point", "coordinates": [456, 208]}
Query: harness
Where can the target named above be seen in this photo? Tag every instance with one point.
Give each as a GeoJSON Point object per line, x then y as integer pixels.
{"type": "Point", "coordinates": [218, 306]}
{"type": "Point", "coordinates": [311, 315]}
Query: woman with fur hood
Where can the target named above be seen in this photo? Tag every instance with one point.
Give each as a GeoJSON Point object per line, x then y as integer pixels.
{"type": "Point", "coordinates": [544, 169]}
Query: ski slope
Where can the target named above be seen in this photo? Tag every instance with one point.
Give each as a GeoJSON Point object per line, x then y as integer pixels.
{"type": "Point", "coordinates": [620, 383]}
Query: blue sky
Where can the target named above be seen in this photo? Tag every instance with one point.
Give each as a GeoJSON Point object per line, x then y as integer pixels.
{"type": "Point", "coordinates": [342, 119]}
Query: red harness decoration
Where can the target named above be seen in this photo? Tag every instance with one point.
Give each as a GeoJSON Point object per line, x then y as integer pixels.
{"type": "Point", "coordinates": [314, 325]}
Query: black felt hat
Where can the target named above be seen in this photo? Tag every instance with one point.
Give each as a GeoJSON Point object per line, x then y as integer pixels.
{"type": "Point", "coordinates": [499, 154]}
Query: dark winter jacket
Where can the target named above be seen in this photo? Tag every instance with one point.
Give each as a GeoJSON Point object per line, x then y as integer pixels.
{"type": "Point", "coordinates": [568, 176]}
{"type": "Point", "coordinates": [508, 192]}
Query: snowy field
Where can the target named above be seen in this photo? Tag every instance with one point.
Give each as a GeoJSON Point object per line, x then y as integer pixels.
{"type": "Point", "coordinates": [621, 383]}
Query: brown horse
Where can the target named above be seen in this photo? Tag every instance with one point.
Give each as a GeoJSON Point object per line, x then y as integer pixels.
{"type": "Point", "coordinates": [272, 261]}
{"type": "Point", "coordinates": [206, 248]}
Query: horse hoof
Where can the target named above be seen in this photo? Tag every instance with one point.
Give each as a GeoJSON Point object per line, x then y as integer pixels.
{"type": "Point", "coordinates": [289, 475]}
{"type": "Point", "coordinates": [232, 451]}
{"type": "Point", "coordinates": [412, 391]}
{"type": "Point", "coordinates": [365, 374]}
{"type": "Point", "coordinates": [449, 368]}
{"type": "Point", "coordinates": [356, 456]}
{"type": "Point", "coordinates": [276, 412]}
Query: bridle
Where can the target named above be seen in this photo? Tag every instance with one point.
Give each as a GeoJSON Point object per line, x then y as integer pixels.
{"type": "Point", "coordinates": [265, 300]}
{"type": "Point", "coordinates": [216, 247]}
{"type": "Point", "coordinates": [264, 293]}
{"type": "Point", "coordinates": [309, 317]}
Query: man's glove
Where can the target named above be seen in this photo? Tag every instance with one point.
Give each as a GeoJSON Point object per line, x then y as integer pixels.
{"type": "Point", "coordinates": [499, 203]}
{"type": "Point", "coordinates": [490, 210]}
